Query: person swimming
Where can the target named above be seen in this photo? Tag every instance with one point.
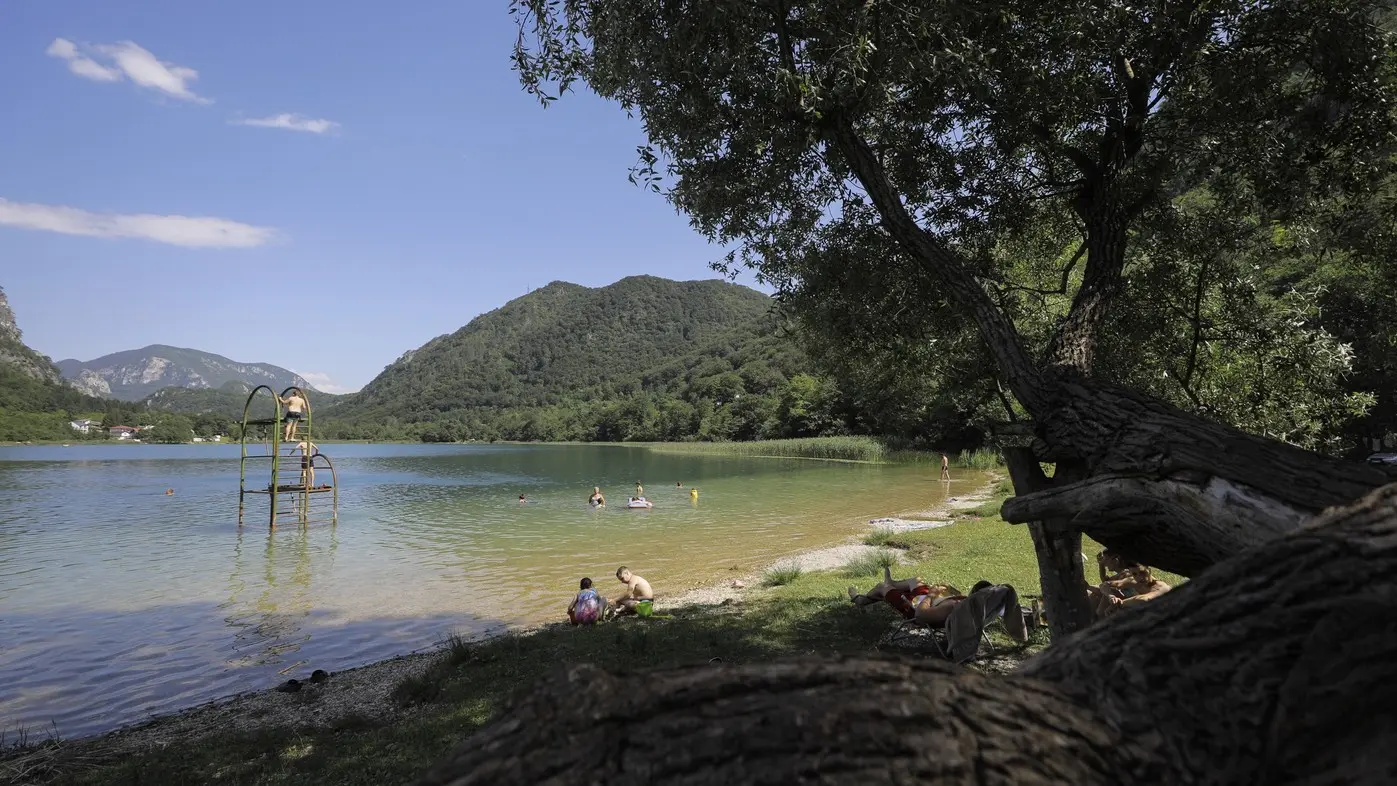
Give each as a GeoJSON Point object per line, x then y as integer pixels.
{"type": "Point", "coordinates": [597, 500]}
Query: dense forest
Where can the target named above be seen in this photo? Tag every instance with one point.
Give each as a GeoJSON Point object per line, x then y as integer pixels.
{"type": "Point", "coordinates": [644, 359]}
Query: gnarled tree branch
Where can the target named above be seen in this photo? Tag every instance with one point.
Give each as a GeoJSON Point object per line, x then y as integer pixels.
{"type": "Point", "coordinates": [1277, 667]}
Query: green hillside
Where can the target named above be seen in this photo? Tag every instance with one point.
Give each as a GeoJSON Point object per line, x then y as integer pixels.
{"type": "Point", "coordinates": [34, 403]}
{"type": "Point", "coordinates": [644, 358]}
{"type": "Point", "coordinates": [226, 401]}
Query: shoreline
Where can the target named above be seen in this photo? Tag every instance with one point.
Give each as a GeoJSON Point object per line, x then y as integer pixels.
{"type": "Point", "coordinates": [365, 693]}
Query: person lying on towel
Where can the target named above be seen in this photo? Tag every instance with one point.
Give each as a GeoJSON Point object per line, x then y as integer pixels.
{"type": "Point", "coordinates": [942, 606]}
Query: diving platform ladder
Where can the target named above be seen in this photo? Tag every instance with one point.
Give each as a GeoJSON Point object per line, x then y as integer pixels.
{"type": "Point", "coordinates": [299, 481]}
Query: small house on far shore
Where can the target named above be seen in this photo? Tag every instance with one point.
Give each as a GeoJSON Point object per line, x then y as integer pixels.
{"type": "Point", "coordinates": [122, 432]}
{"type": "Point", "coordinates": [84, 426]}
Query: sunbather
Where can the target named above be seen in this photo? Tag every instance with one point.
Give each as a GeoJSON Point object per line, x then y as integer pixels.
{"type": "Point", "coordinates": [943, 606]}
{"type": "Point", "coordinates": [904, 595]}
{"type": "Point", "coordinates": [1128, 583]}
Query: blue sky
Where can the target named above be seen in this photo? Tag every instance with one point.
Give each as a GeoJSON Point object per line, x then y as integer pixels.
{"type": "Point", "coordinates": [354, 179]}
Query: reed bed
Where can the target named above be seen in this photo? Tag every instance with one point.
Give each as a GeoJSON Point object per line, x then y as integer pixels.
{"type": "Point", "coordinates": [868, 449]}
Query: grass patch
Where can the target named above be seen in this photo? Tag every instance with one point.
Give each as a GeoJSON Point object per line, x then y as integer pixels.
{"type": "Point", "coordinates": [781, 575]}
{"type": "Point", "coordinates": [471, 683]}
{"type": "Point", "coordinates": [871, 563]}
{"type": "Point", "coordinates": [882, 537]}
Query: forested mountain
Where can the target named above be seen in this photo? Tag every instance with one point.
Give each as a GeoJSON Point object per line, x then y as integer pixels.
{"type": "Point", "coordinates": [644, 358]}
{"type": "Point", "coordinates": [226, 401]}
{"type": "Point", "coordinates": [135, 374]}
{"type": "Point", "coordinates": [34, 403]}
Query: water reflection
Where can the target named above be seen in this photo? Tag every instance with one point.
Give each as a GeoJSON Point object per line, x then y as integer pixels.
{"type": "Point", "coordinates": [268, 629]}
{"type": "Point", "coordinates": [113, 601]}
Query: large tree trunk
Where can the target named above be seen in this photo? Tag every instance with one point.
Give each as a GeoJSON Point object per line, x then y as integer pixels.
{"type": "Point", "coordinates": [1173, 490]}
{"type": "Point", "coordinates": [1165, 487]}
{"type": "Point", "coordinates": [1056, 544]}
{"type": "Point", "coordinates": [1277, 667]}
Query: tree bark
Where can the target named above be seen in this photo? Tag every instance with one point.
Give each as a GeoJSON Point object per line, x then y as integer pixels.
{"type": "Point", "coordinates": [1174, 490]}
{"type": "Point", "coordinates": [1277, 667]}
{"type": "Point", "coordinates": [1058, 547]}
{"type": "Point", "coordinates": [1247, 487]}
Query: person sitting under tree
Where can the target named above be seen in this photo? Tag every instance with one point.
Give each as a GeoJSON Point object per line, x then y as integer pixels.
{"type": "Point", "coordinates": [296, 407]}
{"type": "Point", "coordinates": [1127, 583]}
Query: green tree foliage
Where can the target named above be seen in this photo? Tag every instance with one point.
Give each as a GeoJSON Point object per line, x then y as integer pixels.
{"type": "Point", "coordinates": [981, 190]}
{"type": "Point", "coordinates": [37, 408]}
{"type": "Point", "coordinates": [167, 428]}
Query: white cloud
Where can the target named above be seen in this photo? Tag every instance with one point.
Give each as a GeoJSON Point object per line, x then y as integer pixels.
{"type": "Point", "coordinates": [290, 122]}
{"type": "Point", "coordinates": [187, 231]}
{"type": "Point", "coordinates": [127, 60]}
{"type": "Point", "coordinates": [323, 382]}
{"type": "Point", "coordinates": [84, 67]}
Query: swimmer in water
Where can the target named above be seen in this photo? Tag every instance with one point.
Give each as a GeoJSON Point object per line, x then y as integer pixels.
{"type": "Point", "coordinates": [169, 492]}
{"type": "Point", "coordinates": [597, 500]}
{"type": "Point", "coordinates": [523, 501]}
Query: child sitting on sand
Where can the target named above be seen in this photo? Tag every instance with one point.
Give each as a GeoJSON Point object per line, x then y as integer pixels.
{"type": "Point", "coordinates": [586, 607]}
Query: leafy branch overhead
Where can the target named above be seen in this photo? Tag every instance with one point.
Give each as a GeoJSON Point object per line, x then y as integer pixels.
{"type": "Point", "coordinates": [980, 120]}
{"type": "Point", "coordinates": [958, 154]}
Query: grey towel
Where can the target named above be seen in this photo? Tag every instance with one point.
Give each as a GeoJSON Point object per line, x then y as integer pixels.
{"type": "Point", "coordinates": [967, 620]}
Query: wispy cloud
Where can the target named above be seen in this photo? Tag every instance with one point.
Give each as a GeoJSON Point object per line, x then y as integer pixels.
{"type": "Point", "coordinates": [127, 60]}
{"type": "Point", "coordinates": [290, 122]}
{"type": "Point", "coordinates": [323, 382]}
{"type": "Point", "coordinates": [186, 231]}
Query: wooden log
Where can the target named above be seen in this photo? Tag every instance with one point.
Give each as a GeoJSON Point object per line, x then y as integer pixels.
{"type": "Point", "coordinates": [1278, 666]}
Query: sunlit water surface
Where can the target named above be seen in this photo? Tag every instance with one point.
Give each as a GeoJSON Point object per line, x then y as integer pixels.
{"type": "Point", "coordinates": [118, 602]}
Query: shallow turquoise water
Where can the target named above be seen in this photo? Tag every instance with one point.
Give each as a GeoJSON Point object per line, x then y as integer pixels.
{"type": "Point", "coordinates": [118, 602]}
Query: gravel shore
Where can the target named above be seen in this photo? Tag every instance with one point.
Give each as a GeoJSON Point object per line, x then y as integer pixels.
{"type": "Point", "coordinates": [364, 694]}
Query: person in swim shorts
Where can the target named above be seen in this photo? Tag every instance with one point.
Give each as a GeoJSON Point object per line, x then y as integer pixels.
{"type": "Point", "coordinates": [587, 606]}
{"type": "Point", "coordinates": [296, 407]}
{"type": "Point", "coordinates": [308, 450]}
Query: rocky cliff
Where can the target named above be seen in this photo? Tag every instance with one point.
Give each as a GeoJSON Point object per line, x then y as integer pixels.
{"type": "Point", "coordinates": [13, 352]}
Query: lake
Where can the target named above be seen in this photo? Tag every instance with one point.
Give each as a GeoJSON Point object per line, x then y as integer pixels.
{"type": "Point", "coordinates": [118, 602]}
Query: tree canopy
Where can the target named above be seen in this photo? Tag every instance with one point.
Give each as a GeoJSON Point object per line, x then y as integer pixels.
{"type": "Point", "coordinates": [1028, 169]}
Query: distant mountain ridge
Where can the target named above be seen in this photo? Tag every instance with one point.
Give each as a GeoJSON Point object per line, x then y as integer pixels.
{"type": "Point", "coordinates": [136, 374]}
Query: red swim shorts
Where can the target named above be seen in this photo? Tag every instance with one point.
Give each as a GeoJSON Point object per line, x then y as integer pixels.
{"type": "Point", "coordinates": [902, 601]}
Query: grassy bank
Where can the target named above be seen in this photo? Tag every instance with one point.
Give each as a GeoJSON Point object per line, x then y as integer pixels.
{"type": "Point", "coordinates": [829, 448]}
{"type": "Point", "coordinates": [470, 683]}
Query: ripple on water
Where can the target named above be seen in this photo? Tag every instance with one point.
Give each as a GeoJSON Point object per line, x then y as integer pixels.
{"type": "Point", "coordinates": [117, 601]}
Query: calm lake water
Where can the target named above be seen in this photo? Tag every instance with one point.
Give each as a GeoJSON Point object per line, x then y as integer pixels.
{"type": "Point", "coordinates": [118, 602]}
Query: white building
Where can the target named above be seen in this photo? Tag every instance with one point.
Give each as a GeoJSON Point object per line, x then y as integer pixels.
{"type": "Point", "coordinates": [84, 426]}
